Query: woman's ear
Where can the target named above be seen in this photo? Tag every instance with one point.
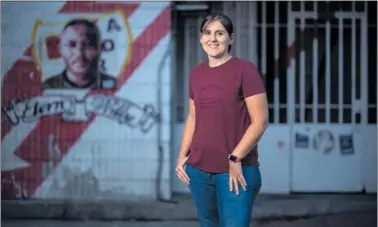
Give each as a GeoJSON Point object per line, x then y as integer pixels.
{"type": "Point", "coordinates": [200, 37]}
{"type": "Point", "coordinates": [232, 38]}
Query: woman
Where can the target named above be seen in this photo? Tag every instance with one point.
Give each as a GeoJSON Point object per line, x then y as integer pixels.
{"type": "Point", "coordinates": [227, 116]}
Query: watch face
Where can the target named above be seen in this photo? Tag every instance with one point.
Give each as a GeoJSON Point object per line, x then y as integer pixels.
{"type": "Point", "coordinates": [233, 158]}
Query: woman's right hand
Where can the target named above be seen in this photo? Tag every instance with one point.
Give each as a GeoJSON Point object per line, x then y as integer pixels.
{"type": "Point", "coordinates": [180, 171]}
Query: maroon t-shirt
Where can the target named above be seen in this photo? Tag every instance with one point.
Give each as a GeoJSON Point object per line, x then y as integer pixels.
{"type": "Point", "coordinates": [221, 113]}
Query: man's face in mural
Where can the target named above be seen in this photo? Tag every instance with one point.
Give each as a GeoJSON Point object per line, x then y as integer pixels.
{"type": "Point", "coordinates": [78, 50]}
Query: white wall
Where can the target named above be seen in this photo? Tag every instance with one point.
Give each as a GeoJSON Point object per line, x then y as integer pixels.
{"type": "Point", "coordinates": [109, 159]}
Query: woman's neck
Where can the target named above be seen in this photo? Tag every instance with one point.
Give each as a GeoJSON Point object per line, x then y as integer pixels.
{"type": "Point", "coordinates": [214, 62]}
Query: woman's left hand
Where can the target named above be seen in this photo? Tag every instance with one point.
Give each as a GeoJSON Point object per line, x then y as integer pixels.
{"type": "Point", "coordinates": [236, 177]}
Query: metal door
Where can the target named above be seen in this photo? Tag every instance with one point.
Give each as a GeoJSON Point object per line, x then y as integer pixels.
{"type": "Point", "coordinates": [327, 89]}
{"type": "Point", "coordinates": [188, 54]}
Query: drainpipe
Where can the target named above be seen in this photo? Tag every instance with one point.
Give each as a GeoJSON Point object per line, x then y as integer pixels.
{"type": "Point", "coordinates": [159, 127]}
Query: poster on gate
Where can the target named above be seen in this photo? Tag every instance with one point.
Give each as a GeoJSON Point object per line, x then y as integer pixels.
{"type": "Point", "coordinates": [346, 144]}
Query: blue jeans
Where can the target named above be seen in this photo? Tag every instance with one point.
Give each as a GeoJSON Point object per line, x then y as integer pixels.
{"type": "Point", "coordinates": [216, 205]}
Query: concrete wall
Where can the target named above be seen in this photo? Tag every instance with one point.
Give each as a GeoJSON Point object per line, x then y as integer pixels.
{"type": "Point", "coordinates": [116, 143]}
{"type": "Point", "coordinates": [86, 143]}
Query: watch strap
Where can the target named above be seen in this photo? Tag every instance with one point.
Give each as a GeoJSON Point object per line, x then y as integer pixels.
{"type": "Point", "coordinates": [234, 158]}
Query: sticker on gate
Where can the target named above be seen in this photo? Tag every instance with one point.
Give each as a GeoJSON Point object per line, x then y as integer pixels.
{"type": "Point", "coordinates": [324, 141]}
{"type": "Point", "coordinates": [302, 140]}
{"type": "Point", "coordinates": [346, 144]}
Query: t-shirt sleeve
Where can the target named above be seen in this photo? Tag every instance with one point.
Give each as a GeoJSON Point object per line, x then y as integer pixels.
{"type": "Point", "coordinates": [191, 94]}
{"type": "Point", "coordinates": [252, 82]}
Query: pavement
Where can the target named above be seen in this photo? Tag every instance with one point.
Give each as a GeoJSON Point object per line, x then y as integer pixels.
{"type": "Point", "coordinates": [344, 219]}
{"type": "Point", "coordinates": [181, 208]}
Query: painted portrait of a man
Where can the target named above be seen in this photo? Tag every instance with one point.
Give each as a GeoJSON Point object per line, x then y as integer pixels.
{"type": "Point", "coordinates": [80, 49]}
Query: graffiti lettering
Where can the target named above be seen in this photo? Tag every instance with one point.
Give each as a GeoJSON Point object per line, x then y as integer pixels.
{"type": "Point", "coordinates": [107, 45]}
{"type": "Point", "coordinates": [121, 110]}
{"type": "Point", "coordinates": [102, 65]}
{"type": "Point", "coordinates": [113, 25]}
{"type": "Point", "coordinates": [35, 108]}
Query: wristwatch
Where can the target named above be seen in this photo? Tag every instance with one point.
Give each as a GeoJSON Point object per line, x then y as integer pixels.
{"type": "Point", "coordinates": [234, 158]}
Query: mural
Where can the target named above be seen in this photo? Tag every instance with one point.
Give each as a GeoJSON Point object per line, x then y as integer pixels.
{"type": "Point", "coordinates": [72, 73]}
{"type": "Point", "coordinates": [78, 58]}
{"type": "Point", "coordinates": [79, 48]}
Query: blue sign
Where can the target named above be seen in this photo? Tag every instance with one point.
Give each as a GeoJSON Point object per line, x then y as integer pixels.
{"type": "Point", "coordinates": [302, 140]}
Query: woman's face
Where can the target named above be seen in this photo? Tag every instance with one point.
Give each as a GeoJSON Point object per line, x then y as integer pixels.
{"type": "Point", "coordinates": [215, 39]}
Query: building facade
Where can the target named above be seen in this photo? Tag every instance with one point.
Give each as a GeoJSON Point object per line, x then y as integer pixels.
{"type": "Point", "coordinates": [119, 136]}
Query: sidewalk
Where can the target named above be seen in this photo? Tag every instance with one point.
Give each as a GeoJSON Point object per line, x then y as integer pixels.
{"type": "Point", "coordinates": [266, 207]}
{"type": "Point", "coordinates": [347, 219]}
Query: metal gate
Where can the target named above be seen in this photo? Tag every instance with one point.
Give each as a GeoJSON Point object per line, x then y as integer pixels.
{"type": "Point", "coordinates": [317, 101]}
{"type": "Point", "coordinates": [327, 99]}
{"type": "Point", "coordinates": [186, 27]}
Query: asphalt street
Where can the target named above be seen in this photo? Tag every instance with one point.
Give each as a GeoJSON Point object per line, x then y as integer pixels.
{"type": "Point", "coordinates": [349, 219]}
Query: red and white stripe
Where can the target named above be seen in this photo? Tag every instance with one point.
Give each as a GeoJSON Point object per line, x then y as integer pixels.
{"type": "Point", "coordinates": [150, 23]}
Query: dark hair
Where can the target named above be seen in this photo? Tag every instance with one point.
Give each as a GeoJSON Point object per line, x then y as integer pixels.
{"type": "Point", "coordinates": [93, 32]}
{"type": "Point", "coordinates": [223, 19]}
